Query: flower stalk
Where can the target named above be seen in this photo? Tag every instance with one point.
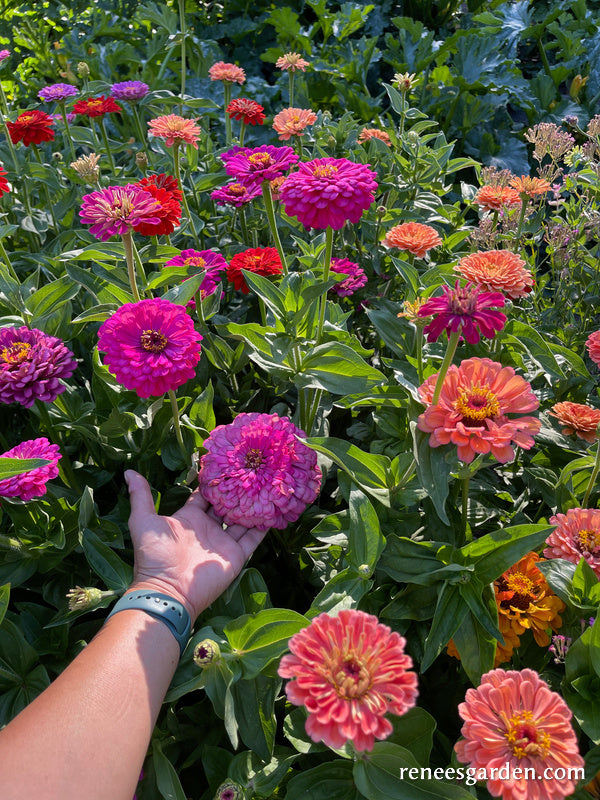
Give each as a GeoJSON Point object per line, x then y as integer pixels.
{"type": "Point", "coordinates": [450, 351]}
{"type": "Point", "coordinates": [268, 201]}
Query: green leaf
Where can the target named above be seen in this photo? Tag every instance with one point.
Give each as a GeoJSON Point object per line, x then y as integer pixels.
{"type": "Point", "coordinates": [409, 273]}
{"type": "Point", "coordinates": [9, 467]}
{"type": "Point", "coordinates": [182, 294]}
{"type": "Point", "coordinates": [496, 552]}
{"type": "Point", "coordinates": [97, 286]}
{"type": "Point", "coordinates": [586, 587]}
{"type": "Point", "coordinates": [4, 597]}
{"type": "Point", "coordinates": [477, 649]}
{"type": "Point", "coordinates": [167, 780]}
{"type": "Point", "coordinates": [330, 781]}
{"type": "Point", "coordinates": [433, 471]}
{"type": "Point", "coordinates": [344, 590]}
{"type": "Point", "coordinates": [115, 573]}
{"type": "Point", "coordinates": [268, 291]}
{"type": "Point", "coordinates": [407, 561]}
{"type": "Point", "coordinates": [258, 639]}
{"type": "Point", "coordinates": [559, 574]}
{"type": "Point", "coordinates": [486, 614]}
{"type": "Point", "coordinates": [365, 540]}
{"type": "Point", "coordinates": [414, 731]}
{"type": "Point", "coordinates": [254, 702]}
{"type": "Point", "coordinates": [413, 602]}
{"type": "Point", "coordinates": [450, 611]}
{"type": "Point", "coordinates": [335, 367]}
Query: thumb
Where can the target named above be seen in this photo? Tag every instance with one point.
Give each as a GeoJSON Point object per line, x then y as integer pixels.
{"type": "Point", "coordinates": [140, 495]}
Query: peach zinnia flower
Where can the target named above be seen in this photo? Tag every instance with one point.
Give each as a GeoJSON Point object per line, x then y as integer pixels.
{"type": "Point", "coordinates": [291, 62]}
{"type": "Point", "coordinates": [472, 410]}
{"type": "Point", "coordinates": [497, 270]}
{"type": "Point", "coordinates": [228, 73]}
{"type": "Point", "coordinates": [495, 198]}
{"type": "Point", "coordinates": [415, 237]}
{"type": "Point", "coordinates": [530, 186]}
{"type": "Point", "coordinates": [175, 129]}
{"type": "Point", "coordinates": [374, 133]}
{"type": "Point", "coordinates": [577, 418]}
{"type": "Point", "coordinates": [592, 345]}
{"type": "Point", "coordinates": [513, 717]}
{"type": "Point", "coordinates": [576, 536]}
{"type": "Point", "coordinates": [292, 122]}
{"type": "Point", "coordinates": [349, 671]}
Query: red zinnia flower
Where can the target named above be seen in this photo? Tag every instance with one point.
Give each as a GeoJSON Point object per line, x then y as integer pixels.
{"type": "Point", "coordinates": [576, 536]}
{"type": "Point", "coordinates": [495, 198]}
{"type": "Point", "coordinates": [168, 209]}
{"type": "Point", "coordinates": [467, 310]}
{"type": "Point", "coordinates": [249, 111]}
{"type": "Point", "coordinates": [162, 181]}
{"type": "Point", "coordinates": [262, 261]}
{"type": "Point", "coordinates": [4, 185]}
{"type": "Point", "coordinates": [497, 270]}
{"type": "Point", "coordinates": [415, 237]}
{"type": "Point", "coordinates": [577, 418]}
{"type": "Point", "coordinates": [31, 127]}
{"type": "Point", "coordinates": [96, 107]}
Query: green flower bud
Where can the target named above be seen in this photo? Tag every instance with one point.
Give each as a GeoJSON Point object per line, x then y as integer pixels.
{"type": "Point", "coordinates": [229, 790]}
{"type": "Point", "coordinates": [83, 70]}
{"type": "Point", "coordinates": [82, 599]}
{"type": "Point", "coordinates": [206, 652]}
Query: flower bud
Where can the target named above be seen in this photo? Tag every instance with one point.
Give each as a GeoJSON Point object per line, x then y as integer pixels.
{"type": "Point", "coordinates": [83, 70]}
{"type": "Point", "coordinates": [141, 160]}
{"type": "Point", "coordinates": [206, 652]}
{"type": "Point", "coordinates": [83, 599]}
{"type": "Point", "coordinates": [364, 570]}
{"type": "Point", "coordinates": [57, 156]}
{"type": "Point", "coordinates": [229, 790]}
{"type": "Point", "coordinates": [405, 81]}
{"type": "Point", "coordinates": [87, 167]}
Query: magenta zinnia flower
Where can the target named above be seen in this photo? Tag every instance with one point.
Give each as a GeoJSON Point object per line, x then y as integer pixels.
{"type": "Point", "coordinates": [33, 483]}
{"type": "Point", "coordinates": [327, 192]}
{"type": "Point", "coordinates": [256, 473]}
{"type": "Point", "coordinates": [355, 280]}
{"type": "Point", "coordinates": [117, 209]}
{"type": "Point", "coordinates": [214, 264]}
{"type": "Point", "coordinates": [253, 166]}
{"type": "Point", "coordinates": [467, 310]}
{"type": "Point", "coordinates": [151, 346]}
{"type": "Point", "coordinates": [57, 92]}
{"type": "Point", "coordinates": [235, 194]}
{"type": "Point", "coordinates": [349, 671]}
{"type": "Point", "coordinates": [129, 90]}
{"type": "Point", "coordinates": [32, 365]}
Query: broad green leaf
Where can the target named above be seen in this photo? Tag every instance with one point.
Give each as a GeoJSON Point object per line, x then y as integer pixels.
{"type": "Point", "coordinates": [167, 780]}
{"type": "Point", "coordinates": [379, 396]}
{"type": "Point", "coordinates": [268, 291]}
{"type": "Point", "coordinates": [559, 574]}
{"type": "Point", "coordinates": [586, 587]}
{"type": "Point", "coordinates": [476, 647]}
{"type": "Point", "coordinates": [410, 275]}
{"type": "Point", "coordinates": [258, 639]}
{"type": "Point", "coordinates": [184, 292]}
{"type": "Point", "coordinates": [254, 702]}
{"type": "Point", "coordinates": [248, 769]}
{"type": "Point", "coordinates": [413, 602]}
{"type": "Point", "coordinates": [97, 286]}
{"type": "Point", "coordinates": [496, 552]}
{"type": "Point", "coordinates": [115, 573]}
{"type": "Point", "coordinates": [365, 541]}
{"type": "Point", "coordinates": [407, 561]}
{"type": "Point", "coordinates": [330, 781]}
{"type": "Point", "coordinates": [414, 731]}
{"type": "Point", "coordinates": [485, 613]}
{"type": "Point", "coordinates": [336, 368]}
{"type": "Point", "coordinates": [49, 297]}
{"type": "Point", "coordinates": [98, 313]}
{"type": "Point", "coordinates": [4, 597]}
{"type": "Point", "coordinates": [9, 467]}
{"type": "Point", "coordinates": [344, 590]}
{"type": "Point", "coordinates": [450, 611]}
{"type": "Point", "coordinates": [433, 471]}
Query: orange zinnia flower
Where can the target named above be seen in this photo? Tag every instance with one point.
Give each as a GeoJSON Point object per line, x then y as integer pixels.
{"type": "Point", "coordinates": [175, 129]}
{"type": "Point", "coordinates": [497, 270]}
{"type": "Point", "coordinates": [374, 133]}
{"type": "Point", "coordinates": [576, 536]}
{"type": "Point", "coordinates": [530, 186]}
{"type": "Point", "coordinates": [292, 122]}
{"type": "Point", "coordinates": [291, 61]}
{"type": "Point", "coordinates": [495, 198]}
{"type": "Point", "coordinates": [228, 73]}
{"type": "Point", "coordinates": [418, 239]}
{"type": "Point", "coordinates": [577, 418]}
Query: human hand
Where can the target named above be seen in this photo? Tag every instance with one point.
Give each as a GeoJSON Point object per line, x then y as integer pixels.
{"type": "Point", "coordinates": [188, 556]}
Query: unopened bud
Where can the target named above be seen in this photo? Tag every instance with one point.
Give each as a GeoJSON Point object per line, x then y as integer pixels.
{"type": "Point", "coordinates": [83, 70]}
{"type": "Point", "coordinates": [405, 81]}
{"type": "Point", "coordinates": [141, 159]}
{"type": "Point", "coordinates": [56, 156]}
{"type": "Point", "coordinates": [82, 599]}
{"type": "Point", "coordinates": [364, 570]}
{"type": "Point", "coordinates": [381, 210]}
{"type": "Point", "coordinates": [229, 790]}
{"type": "Point", "coordinates": [206, 652]}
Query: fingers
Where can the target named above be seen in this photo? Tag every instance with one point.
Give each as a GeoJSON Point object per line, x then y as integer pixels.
{"type": "Point", "coordinates": [249, 541]}
{"type": "Point", "coordinates": [140, 496]}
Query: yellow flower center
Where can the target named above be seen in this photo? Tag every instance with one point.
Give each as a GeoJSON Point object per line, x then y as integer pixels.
{"type": "Point", "coordinates": [477, 404]}
{"type": "Point", "coordinates": [16, 352]}
{"type": "Point", "coordinates": [237, 189]}
{"type": "Point", "coordinates": [325, 171]}
{"type": "Point", "coordinates": [94, 103]}
{"type": "Point", "coordinates": [153, 341]}
{"type": "Point", "coordinates": [254, 458]}
{"type": "Point", "coordinates": [194, 261]}
{"type": "Point", "coordinates": [524, 737]}
{"type": "Point", "coordinates": [260, 160]}
{"type": "Point", "coordinates": [519, 583]}
{"type": "Point", "coordinates": [351, 678]}
{"type": "Point", "coordinates": [589, 540]}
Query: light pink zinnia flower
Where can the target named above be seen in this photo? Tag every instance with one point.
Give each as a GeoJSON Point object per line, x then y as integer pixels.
{"type": "Point", "coordinates": [328, 192]}
{"type": "Point", "coordinates": [592, 345]}
{"type": "Point", "coordinates": [576, 536]}
{"type": "Point", "coordinates": [467, 310]}
{"type": "Point", "coordinates": [228, 73]}
{"type": "Point", "coordinates": [472, 410]}
{"type": "Point", "coordinates": [175, 130]}
{"type": "Point", "coordinates": [256, 473]}
{"type": "Point", "coordinates": [292, 122]}
{"type": "Point", "coordinates": [514, 718]}
{"type": "Point", "coordinates": [291, 62]}
{"type": "Point", "coordinates": [355, 280]}
{"type": "Point", "coordinates": [349, 671]}
{"type": "Point", "coordinates": [117, 209]}
{"type": "Point", "coordinates": [33, 483]}
{"type": "Point", "coordinates": [32, 366]}
{"type": "Point", "coordinates": [151, 346]}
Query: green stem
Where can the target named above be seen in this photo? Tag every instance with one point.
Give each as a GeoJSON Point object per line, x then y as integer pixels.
{"type": "Point", "coordinates": [67, 130]}
{"type": "Point", "coordinates": [140, 131]}
{"type": "Point", "coordinates": [242, 131]}
{"type": "Point", "coordinates": [177, 426]}
{"type": "Point", "coordinates": [291, 85]}
{"type": "Point", "coordinates": [106, 145]}
{"type": "Point", "coordinates": [7, 261]}
{"type": "Point", "coordinates": [3, 100]}
{"type": "Point", "coordinates": [242, 213]}
{"type": "Point", "coordinates": [524, 202]}
{"type": "Point", "coordinates": [420, 342]}
{"type": "Point", "coordinates": [326, 265]}
{"type": "Point", "coordinates": [227, 100]}
{"type": "Point", "coordinates": [450, 350]}
{"type": "Point", "coordinates": [182, 30]}
{"type": "Point", "coordinates": [46, 192]}
{"type": "Point", "coordinates": [183, 196]}
{"type": "Point", "coordinates": [65, 468]}
{"type": "Point", "coordinates": [129, 258]}
{"type": "Point", "coordinates": [593, 477]}
{"type": "Point", "coordinates": [268, 201]}
{"type": "Point", "coordinates": [138, 262]}
{"type": "Point", "coordinates": [466, 532]}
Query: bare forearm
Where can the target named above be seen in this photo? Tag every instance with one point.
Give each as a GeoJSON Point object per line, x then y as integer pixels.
{"type": "Point", "coordinates": [88, 733]}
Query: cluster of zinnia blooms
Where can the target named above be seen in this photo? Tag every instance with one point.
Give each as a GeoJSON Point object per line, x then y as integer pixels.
{"type": "Point", "coordinates": [257, 473]}
{"type": "Point", "coordinates": [33, 483]}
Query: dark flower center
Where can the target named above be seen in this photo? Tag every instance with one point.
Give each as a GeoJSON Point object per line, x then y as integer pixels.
{"type": "Point", "coordinates": [153, 341]}
{"type": "Point", "coordinates": [16, 352]}
{"type": "Point", "coordinates": [522, 588]}
{"type": "Point", "coordinates": [254, 458]}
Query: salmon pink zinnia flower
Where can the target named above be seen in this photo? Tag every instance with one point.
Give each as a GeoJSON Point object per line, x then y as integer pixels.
{"type": "Point", "coordinates": [253, 166]}
{"type": "Point", "coordinates": [257, 473]}
{"type": "Point", "coordinates": [31, 127]}
{"type": "Point", "coordinates": [328, 192]}
{"type": "Point", "coordinates": [291, 62]}
{"type": "Point", "coordinates": [467, 310]}
{"type": "Point", "coordinates": [374, 133]}
{"type": "Point", "coordinates": [33, 483]}
{"type": "Point", "coordinates": [592, 345]}
{"type": "Point", "coordinates": [349, 671]}
{"type": "Point", "coordinates": [576, 536]}
{"type": "Point", "coordinates": [497, 270]}
{"type": "Point", "coordinates": [473, 407]}
{"type": "Point", "coordinates": [356, 277]}
{"type": "Point", "coordinates": [292, 122]}
{"type": "Point", "coordinates": [514, 718]}
{"type": "Point", "coordinates": [495, 198]}
{"type": "Point", "coordinates": [175, 130]}
{"type": "Point", "coordinates": [530, 186]}
{"type": "Point", "coordinates": [117, 209]}
{"type": "Point", "coordinates": [415, 237]}
{"type": "Point", "coordinates": [577, 418]}
{"type": "Point", "coordinates": [260, 260]}
{"type": "Point", "coordinates": [228, 73]}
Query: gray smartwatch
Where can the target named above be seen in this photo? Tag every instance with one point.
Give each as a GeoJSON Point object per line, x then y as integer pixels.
{"type": "Point", "coordinates": [162, 607]}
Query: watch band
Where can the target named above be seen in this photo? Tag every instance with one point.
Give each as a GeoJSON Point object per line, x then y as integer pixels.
{"type": "Point", "coordinates": [162, 607]}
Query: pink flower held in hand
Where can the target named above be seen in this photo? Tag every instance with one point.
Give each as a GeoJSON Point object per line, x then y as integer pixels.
{"type": "Point", "coordinates": [175, 130]}
{"type": "Point", "coordinates": [151, 346]}
{"type": "Point", "coordinates": [576, 536]}
{"type": "Point", "coordinates": [33, 483]}
{"type": "Point", "coordinates": [467, 310]}
{"type": "Point", "coordinates": [117, 209]}
{"type": "Point", "coordinates": [355, 280]}
{"type": "Point", "coordinates": [472, 410]}
{"type": "Point", "coordinates": [328, 192]}
{"type": "Point", "coordinates": [514, 718]}
{"type": "Point", "coordinates": [257, 474]}
{"type": "Point", "coordinates": [349, 671]}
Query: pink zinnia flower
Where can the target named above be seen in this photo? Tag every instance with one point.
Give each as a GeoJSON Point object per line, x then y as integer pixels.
{"type": "Point", "coordinates": [514, 718]}
{"type": "Point", "coordinates": [467, 310]}
{"type": "Point", "coordinates": [228, 73]}
{"type": "Point", "coordinates": [235, 194]}
{"type": "Point", "coordinates": [256, 473]}
{"type": "Point", "coordinates": [33, 483]}
{"type": "Point", "coordinates": [292, 122]}
{"type": "Point", "coordinates": [175, 130]}
{"type": "Point", "coordinates": [576, 536]}
{"type": "Point", "coordinates": [253, 166]}
{"type": "Point", "coordinates": [472, 410]}
{"type": "Point", "coordinates": [290, 61]}
{"type": "Point", "coordinates": [355, 280]}
{"type": "Point", "coordinates": [4, 54]}
{"type": "Point", "coordinates": [32, 366]}
{"type": "Point", "coordinates": [592, 345]}
{"type": "Point", "coordinates": [328, 192]}
{"type": "Point", "coordinates": [374, 133]}
{"type": "Point", "coordinates": [214, 264]}
{"type": "Point", "coordinates": [349, 671]}
{"type": "Point", "coordinates": [117, 209]}
{"type": "Point", "coordinates": [415, 237]}
{"type": "Point", "coordinates": [151, 346]}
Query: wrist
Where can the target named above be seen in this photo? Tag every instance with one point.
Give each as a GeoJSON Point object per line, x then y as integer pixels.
{"type": "Point", "coordinates": [164, 587]}
{"type": "Point", "coordinates": [161, 607]}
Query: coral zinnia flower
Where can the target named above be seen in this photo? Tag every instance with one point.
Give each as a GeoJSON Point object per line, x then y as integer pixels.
{"type": "Point", "coordinates": [57, 92]}
{"type": "Point", "coordinates": [592, 344]}
{"type": "Point", "coordinates": [577, 418]}
{"type": "Point", "coordinates": [117, 209]}
{"type": "Point", "coordinates": [249, 111]}
{"type": "Point", "coordinates": [31, 127]}
{"type": "Point", "coordinates": [467, 310]}
{"type": "Point", "coordinates": [129, 90]}
{"type": "Point", "coordinates": [349, 671]}
{"type": "Point", "coordinates": [168, 209]}
{"type": "Point", "coordinates": [530, 186]}
{"type": "Point", "coordinates": [497, 270]}
{"type": "Point", "coordinates": [235, 194]}
{"type": "Point", "coordinates": [495, 198]}
{"type": "Point", "coordinates": [292, 122]}
{"type": "Point", "coordinates": [415, 237]}
{"type": "Point", "coordinates": [355, 280]}
{"type": "Point", "coordinates": [576, 536]}
{"type": "Point", "coordinates": [260, 260]}
{"type": "Point", "coordinates": [374, 133]}
{"type": "Point", "coordinates": [32, 366]}
{"type": "Point", "coordinates": [228, 73]}
{"type": "Point", "coordinates": [291, 62]}
{"type": "Point", "coordinates": [328, 192]}
{"type": "Point", "coordinates": [97, 107]}
{"type": "Point", "coordinates": [514, 718]}
{"type": "Point", "coordinates": [257, 473]}
{"type": "Point", "coordinates": [151, 346]}
{"type": "Point", "coordinates": [472, 410]}
{"type": "Point", "coordinates": [253, 166]}
{"type": "Point", "coordinates": [175, 130]}
{"type": "Point", "coordinates": [4, 184]}
{"type": "Point", "coordinates": [33, 483]}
